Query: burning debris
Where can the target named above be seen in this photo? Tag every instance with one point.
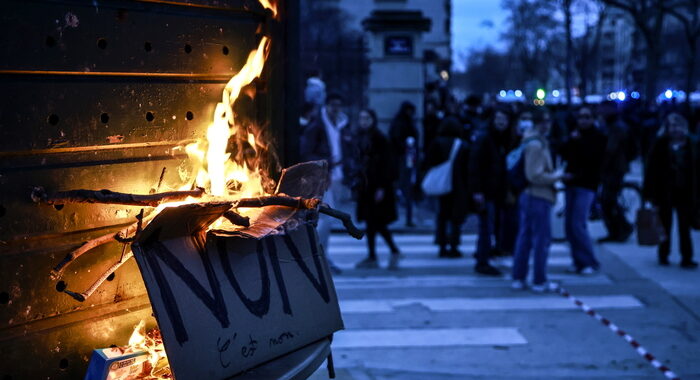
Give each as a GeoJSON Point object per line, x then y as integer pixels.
{"type": "Point", "coordinates": [226, 194]}
{"type": "Point", "coordinates": [143, 358]}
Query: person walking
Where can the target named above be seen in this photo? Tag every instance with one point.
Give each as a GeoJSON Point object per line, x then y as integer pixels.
{"type": "Point", "coordinates": [672, 183]}
{"type": "Point", "coordinates": [488, 185]}
{"type": "Point", "coordinates": [583, 152]}
{"type": "Point", "coordinates": [535, 206]}
{"type": "Point", "coordinates": [452, 207]}
{"type": "Point", "coordinates": [324, 139]}
{"type": "Point", "coordinates": [376, 201]}
{"type": "Point", "coordinates": [404, 139]}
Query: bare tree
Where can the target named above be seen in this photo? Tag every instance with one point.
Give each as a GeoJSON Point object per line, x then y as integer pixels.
{"type": "Point", "coordinates": [587, 45]}
{"type": "Point", "coordinates": [533, 31]}
{"type": "Point", "coordinates": [648, 16]}
{"type": "Point", "coordinates": [687, 12]}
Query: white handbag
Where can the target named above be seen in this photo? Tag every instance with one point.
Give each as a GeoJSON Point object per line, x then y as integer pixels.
{"type": "Point", "coordinates": [438, 180]}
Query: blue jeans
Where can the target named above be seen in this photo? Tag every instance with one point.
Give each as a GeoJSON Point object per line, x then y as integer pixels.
{"type": "Point", "coordinates": [534, 235]}
{"type": "Point", "coordinates": [578, 205]}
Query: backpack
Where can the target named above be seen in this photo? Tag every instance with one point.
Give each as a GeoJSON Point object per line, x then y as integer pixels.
{"type": "Point", "coordinates": [515, 165]}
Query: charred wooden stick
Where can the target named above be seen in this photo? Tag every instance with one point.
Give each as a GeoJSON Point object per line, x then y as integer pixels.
{"type": "Point", "coordinates": [87, 293]}
{"type": "Point", "coordinates": [343, 217]}
{"type": "Point", "coordinates": [57, 271]}
{"type": "Point", "coordinates": [278, 200]}
{"type": "Point", "coordinates": [237, 219]}
{"type": "Point", "coordinates": [111, 197]}
{"type": "Point", "coordinates": [123, 235]}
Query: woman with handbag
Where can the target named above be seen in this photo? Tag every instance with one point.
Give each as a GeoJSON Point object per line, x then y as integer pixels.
{"type": "Point", "coordinates": [671, 182]}
{"type": "Point", "coordinates": [448, 150]}
{"type": "Point", "coordinates": [376, 201]}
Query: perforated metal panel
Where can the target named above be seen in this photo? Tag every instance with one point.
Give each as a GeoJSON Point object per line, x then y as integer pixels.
{"type": "Point", "coordinates": [102, 94]}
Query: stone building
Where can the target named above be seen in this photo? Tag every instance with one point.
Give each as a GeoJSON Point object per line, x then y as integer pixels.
{"type": "Point", "coordinates": [395, 77]}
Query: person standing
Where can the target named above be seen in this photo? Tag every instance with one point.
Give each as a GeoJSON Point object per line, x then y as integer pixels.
{"type": "Point", "coordinates": [584, 153]}
{"type": "Point", "coordinates": [431, 125]}
{"type": "Point", "coordinates": [404, 139]}
{"type": "Point", "coordinates": [672, 183]}
{"type": "Point", "coordinates": [315, 91]}
{"type": "Point", "coordinates": [453, 206]}
{"type": "Point", "coordinates": [376, 201]}
{"type": "Point", "coordinates": [324, 140]}
{"type": "Point", "coordinates": [535, 206]}
{"type": "Point", "coordinates": [618, 153]}
{"type": "Point", "coordinates": [488, 184]}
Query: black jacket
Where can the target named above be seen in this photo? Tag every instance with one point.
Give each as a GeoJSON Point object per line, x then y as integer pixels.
{"type": "Point", "coordinates": [314, 144]}
{"type": "Point", "coordinates": [658, 175]}
{"type": "Point", "coordinates": [375, 156]}
{"type": "Point", "coordinates": [585, 156]}
{"type": "Point", "coordinates": [487, 164]}
{"type": "Point", "coordinates": [458, 202]}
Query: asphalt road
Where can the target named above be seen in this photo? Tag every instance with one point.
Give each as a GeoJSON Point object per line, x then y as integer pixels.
{"type": "Point", "coordinates": [436, 319]}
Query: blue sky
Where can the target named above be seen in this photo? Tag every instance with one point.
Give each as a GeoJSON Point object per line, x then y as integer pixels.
{"type": "Point", "coordinates": [475, 23]}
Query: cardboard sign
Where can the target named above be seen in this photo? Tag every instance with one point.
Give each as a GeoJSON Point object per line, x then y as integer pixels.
{"type": "Point", "coordinates": [225, 304]}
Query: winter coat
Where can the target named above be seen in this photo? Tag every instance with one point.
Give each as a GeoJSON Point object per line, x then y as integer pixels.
{"type": "Point", "coordinates": [659, 187]}
{"type": "Point", "coordinates": [584, 156]}
{"type": "Point", "coordinates": [314, 144]}
{"type": "Point", "coordinates": [619, 151]}
{"type": "Point", "coordinates": [539, 169]}
{"type": "Point", "coordinates": [374, 157]}
{"type": "Point", "coordinates": [457, 201]}
{"type": "Point", "coordinates": [400, 129]}
{"type": "Point", "coordinates": [487, 165]}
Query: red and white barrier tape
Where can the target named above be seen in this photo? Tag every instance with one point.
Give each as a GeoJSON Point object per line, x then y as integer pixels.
{"type": "Point", "coordinates": [638, 347]}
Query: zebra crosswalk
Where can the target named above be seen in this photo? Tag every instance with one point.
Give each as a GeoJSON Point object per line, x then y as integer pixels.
{"type": "Point", "coordinates": [441, 304]}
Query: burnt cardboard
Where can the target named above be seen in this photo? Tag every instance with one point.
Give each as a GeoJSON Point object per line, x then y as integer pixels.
{"type": "Point", "coordinates": [225, 304]}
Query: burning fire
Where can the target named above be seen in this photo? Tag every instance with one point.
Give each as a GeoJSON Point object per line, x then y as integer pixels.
{"type": "Point", "coordinates": [219, 174]}
{"type": "Point", "coordinates": [272, 6]}
{"type": "Point", "coordinates": [216, 171]}
{"type": "Point", "coordinates": [151, 343]}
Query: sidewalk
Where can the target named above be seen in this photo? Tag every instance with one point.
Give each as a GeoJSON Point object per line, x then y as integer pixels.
{"type": "Point", "coordinates": [683, 285]}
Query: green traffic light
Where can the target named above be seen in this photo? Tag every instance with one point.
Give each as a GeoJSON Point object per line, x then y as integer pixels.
{"type": "Point", "coordinates": [541, 94]}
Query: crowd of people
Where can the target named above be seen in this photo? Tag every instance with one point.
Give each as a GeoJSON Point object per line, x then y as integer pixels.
{"type": "Point", "coordinates": [506, 161]}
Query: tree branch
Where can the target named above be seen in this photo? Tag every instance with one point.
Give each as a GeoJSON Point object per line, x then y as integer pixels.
{"type": "Point", "coordinates": [111, 197]}
{"type": "Point", "coordinates": [345, 218]}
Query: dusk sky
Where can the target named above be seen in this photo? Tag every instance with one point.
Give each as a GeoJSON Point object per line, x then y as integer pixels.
{"type": "Point", "coordinates": [475, 23]}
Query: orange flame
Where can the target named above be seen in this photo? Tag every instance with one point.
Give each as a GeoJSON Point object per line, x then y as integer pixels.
{"type": "Point", "coordinates": [215, 169]}
{"type": "Point", "coordinates": [270, 5]}
{"type": "Point", "coordinates": [151, 343]}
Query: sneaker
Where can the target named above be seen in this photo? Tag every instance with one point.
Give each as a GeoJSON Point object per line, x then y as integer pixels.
{"type": "Point", "coordinates": [444, 253]}
{"type": "Point", "coordinates": [588, 271]}
{"type": "Point", "coordinates": [367, 263]}
{"type": "Point", "coordinates": [487, 269]}
{"type": "Point", "coordinates": [518, 285]}
{"type": "Point", "coordinates": [393, 262]}
{"type": "Point", "coordinates": [689, 264]}
{"type": "Point", "coordinates": [545, 287]}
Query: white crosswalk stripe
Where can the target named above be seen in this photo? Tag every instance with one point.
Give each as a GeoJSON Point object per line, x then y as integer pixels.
{"type": "Point", "coordinates": [374, 282]}
{"type": "Point", "coordinates": [408, 263]}
{"type": "Point", "coordinates": [428, 337]}
{"type": "Point", "coordinates": [442, 290]}
{"type": "Point", "coordinates": [550, 302]}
